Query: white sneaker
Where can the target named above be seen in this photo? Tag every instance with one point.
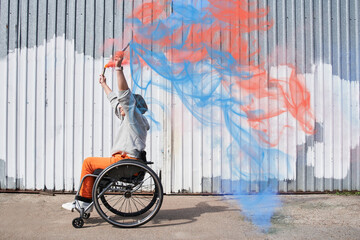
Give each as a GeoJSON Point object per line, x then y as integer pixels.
{"type": "Point", "coordinates": [72, 205]}
{"type": "Point", "coordinates": [69, 206]}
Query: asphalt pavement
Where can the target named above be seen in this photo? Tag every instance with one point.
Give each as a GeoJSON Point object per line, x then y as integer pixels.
{"type": "Point", "coordinates": [324, 216]}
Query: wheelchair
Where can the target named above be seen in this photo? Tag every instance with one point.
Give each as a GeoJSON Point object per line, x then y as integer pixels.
{"type": "Point", "coordinates": [126, 194]}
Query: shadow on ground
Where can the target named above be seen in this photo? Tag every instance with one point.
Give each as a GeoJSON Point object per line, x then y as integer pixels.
{"type": "Point", "coordinates": [172, 217]}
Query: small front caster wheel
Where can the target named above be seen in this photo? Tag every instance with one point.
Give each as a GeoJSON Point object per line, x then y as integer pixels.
{"type": "Point", "coordinates": [86, 215]}
{"type": "Point", "coordinates": [78, 222]}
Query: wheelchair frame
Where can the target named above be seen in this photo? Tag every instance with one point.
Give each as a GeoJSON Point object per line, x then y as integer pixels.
{"type": "Point", "coordinates": [138, 165]}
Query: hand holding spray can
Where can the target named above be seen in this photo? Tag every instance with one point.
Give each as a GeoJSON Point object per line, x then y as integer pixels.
{"type": "Point", "coordinates": [112, 61]}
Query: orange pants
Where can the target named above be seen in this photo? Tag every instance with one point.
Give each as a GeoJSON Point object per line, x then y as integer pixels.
{"type": "Point", "coordinates": [90, 164]}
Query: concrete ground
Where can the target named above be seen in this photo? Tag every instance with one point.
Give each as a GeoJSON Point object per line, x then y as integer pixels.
{"type": "Point", "coordinates": [36, 216]}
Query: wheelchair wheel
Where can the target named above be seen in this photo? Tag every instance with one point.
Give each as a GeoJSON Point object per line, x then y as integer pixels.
{"type": "Point", "coordinates": [78, 223]}
{"type": "Point", "coordinates": [127, 193]}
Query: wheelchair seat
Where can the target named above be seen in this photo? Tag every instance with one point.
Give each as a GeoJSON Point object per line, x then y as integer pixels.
{"type": "Point", "coordinates": [129, 173]}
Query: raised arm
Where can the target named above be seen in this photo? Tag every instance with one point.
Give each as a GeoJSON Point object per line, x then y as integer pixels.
{"type": "Point", "coordinates": [111, 96]}
{"type": "Point", "coordinates": [126, 99]}
{"type": "Point", "coordinates": [122, 84]}
{"type": "Point", "coordinates": [106, 88]}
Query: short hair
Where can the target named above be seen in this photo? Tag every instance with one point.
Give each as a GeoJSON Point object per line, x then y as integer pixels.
{"type": "Point", "coordinates": [140, 103]}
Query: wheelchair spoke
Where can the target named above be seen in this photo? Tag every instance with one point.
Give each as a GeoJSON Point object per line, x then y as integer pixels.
{"type": "Point", "coordinates": [147, 187]}
{"type": "Point", "coordinates": [148, 200]}
{"type": "Point", "coordinates": [130, 210]}
{"type": "Point", "coordinates": [118, 200]}
{"type": "Point", "coordinates": [138, 201]}
{"type": "Point", "coordinates": [126, 206]}
{"type": "Point", "coordinates": [110, 198]}
{"type": "Point", "coordinates": [134, 204]}
{"type": "Point", "coordinates": [122, 204]}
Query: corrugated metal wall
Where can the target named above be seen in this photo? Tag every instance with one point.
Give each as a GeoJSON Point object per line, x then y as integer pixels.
{"type": "Point", "coordinates": [55, 114]}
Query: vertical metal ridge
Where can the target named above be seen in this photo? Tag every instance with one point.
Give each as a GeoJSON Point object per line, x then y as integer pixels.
{"type": "Point", "coordinates": [312, 88]}
{"type": "Point", "coordinates": [348, 104]}
{"type": "Point", "coordinates": [5, 77]}
{"type": "Point", "coordinates": [335, 67]}
{"type": "Point", "coordinates": [112, 52]}
{"type": "Point", "coordinates": [183, 135]}
{"type": "Point", "coordinates": [73, 97]}
{"type": "Point", "coordinates": [286, 59]}
{"type": "Point", "coordinates": [55, 97]}
{"type": "Point", "coordinates": [7, 100]}
{"type": "Point", "coordinates": [358, 79]}
{"type": "Point", "coordinates": [26, 97]}
{"type": "Point", "coordinates": [277, 42]}
{"type": "Point", "coordinates": [83, 84]}
{"type": "Point", "coordinates": [332, 104]}
{"type": "Point", "coordinates": [354, 73]}
{"type": "Point", "coordinates": [344, 69]}
{"type": "Point", "coordinates": [93, 84]}
{"type": "Point", "coordinates": [308, 60]}
{"type": "Point", "coordinates": [357, 17]}
{"type": "Point", "coordinates": [321, 23]}
{"type": "Point", "coordinates": [299, 61]}
{"type": "Point", "coordinates": [62, 151]}
{"type": "Point", "coordinates": [276, 61]}
{"type": "Point", "coordinates": [35, 100]}
{"type": "Point", "coordinates": [64, 97]}
{"type": "Point", "coordinates": [257, 63]}
{"type": "Point", "coordinates": [72, 135]}
{"type": "Point", "coordinates": [318, 91]}
{"type": "Point", "coordinates": [102, 99]}
{"type": "Point", "coordinates": [304, 70]}
{"type": "Point", "coordinates": [151, 139]}
{"type": "Point", "coordinates": [17, 29]}
{"type": "Point", "coordinates": [349, 187]}
{"type": "Point", "coordinates": [45, 94]}
{"type": "Point", "coordinates": [250, 172]}
{"type": "Point", "coordinates": [328, 90]}
{"type": "Point", "coordinates": [201, 160]}
{"type": "Point", "coordinates": [265, 45]}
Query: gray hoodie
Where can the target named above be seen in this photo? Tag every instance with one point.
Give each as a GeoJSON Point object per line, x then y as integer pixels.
{"type": "Point", "coordinates": [131, 136]}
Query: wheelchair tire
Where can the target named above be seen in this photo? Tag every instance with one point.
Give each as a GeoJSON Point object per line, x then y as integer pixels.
{"type": "Point", "coordinates": [78, 222]}
{"type": "Point", "coordinates": [134, 195]}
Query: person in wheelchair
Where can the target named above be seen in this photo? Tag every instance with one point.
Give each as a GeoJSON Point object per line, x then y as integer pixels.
{"type": "Point", "coordinates": [130, 139]}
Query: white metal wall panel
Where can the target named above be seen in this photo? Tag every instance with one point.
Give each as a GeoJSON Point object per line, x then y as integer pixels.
{"type": "Point", "coordinates": [4, 20]}
{"type": "Point", "coordinates": [55, 114]}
